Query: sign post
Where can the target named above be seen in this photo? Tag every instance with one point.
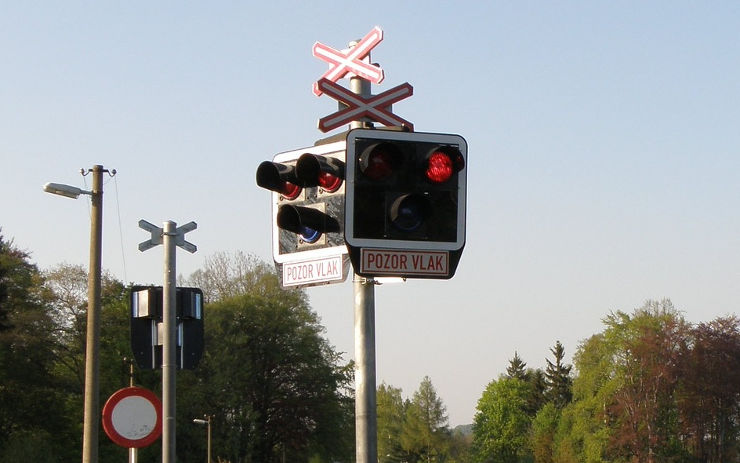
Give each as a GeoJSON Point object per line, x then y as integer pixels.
{"type": "Point", "coordinates": [171, 237]}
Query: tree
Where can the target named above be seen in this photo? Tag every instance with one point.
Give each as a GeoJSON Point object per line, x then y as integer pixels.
{"type": "Point", "coordinates": [557, 378]}
{"type": "Point", "coordinates": [535, 379]}
{"type": "Point", "coordinates": [709, 391]}
{"type": "Point", "coordinates": [542, 434]}
{"type": "Point", "coordinates": [644, 407]}
{"type": "Point", "coordinates": [391, 411]}
{"type": "Point", "coordinates": [425, 433]}
{"type": "Point", "coordinates": [623, 405]}
{"type": "Point", "coordinates": [225, 275]}
{"type": "Point", "coordinates": [30, 410]}
{"type": "Point", "coordinates": [517, 368]}
{"type": "Point", "coordinates": [274, 385]}
{"type": "Point", "coordinates": [501, 424]}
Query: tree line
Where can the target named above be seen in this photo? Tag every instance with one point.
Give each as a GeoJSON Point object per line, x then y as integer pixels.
{"type": "Point", "coordinates": [276, 390]}
{"type": "Point", "coordinates": [650, 388]}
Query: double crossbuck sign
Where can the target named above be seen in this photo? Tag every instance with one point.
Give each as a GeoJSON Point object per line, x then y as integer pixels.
{"type": "Point", "coordinates": [355, 61]}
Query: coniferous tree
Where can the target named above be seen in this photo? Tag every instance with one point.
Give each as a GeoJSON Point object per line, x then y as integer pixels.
{"type": "Point", "coordinates": [557, 377]}
{"type": "Point", "coordinates": [425, 434]}
{"type": "Point", "coordinates": [517, 368]}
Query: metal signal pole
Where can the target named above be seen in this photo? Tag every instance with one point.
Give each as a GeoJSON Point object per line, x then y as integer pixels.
{"type": "Point", "coordinates": [171, 237]}
{"type": "Point", "coordinates": [366, 422]}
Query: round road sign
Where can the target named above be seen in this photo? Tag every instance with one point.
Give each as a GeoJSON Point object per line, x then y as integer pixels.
{"type": "Point", "coordinates": [132, 417]}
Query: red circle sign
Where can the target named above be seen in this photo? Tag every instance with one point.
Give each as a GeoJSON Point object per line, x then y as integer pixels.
{"type": "Point", "coordinates": [132, 417]}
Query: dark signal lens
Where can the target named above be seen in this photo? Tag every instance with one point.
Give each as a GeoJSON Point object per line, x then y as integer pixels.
{"type": "Point", "coordinates": [310, 235]}
{"type": "Point", "coordinates": [378, 162]}
{"type": "Point", "coordinates": [329, 182]}
{"type": "Point", "coordinates": [290, 191]}
{"type": "Point", "coordinates": [408, 212]}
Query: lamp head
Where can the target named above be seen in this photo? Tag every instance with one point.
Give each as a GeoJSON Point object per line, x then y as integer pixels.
{"type": "Point", "coordinates": [64, 190]}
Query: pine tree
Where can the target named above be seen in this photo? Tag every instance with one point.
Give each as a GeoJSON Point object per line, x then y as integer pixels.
{"type": "Point", "coordinates": [558, 379]}
{"type": "Point", "coordinates": [517, 368]}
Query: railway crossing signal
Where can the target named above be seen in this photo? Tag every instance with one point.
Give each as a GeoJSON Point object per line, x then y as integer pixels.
{"type": "Point", "coordinates": [307, 188]}
{"type": "Point", "coordinates": [405, 203]}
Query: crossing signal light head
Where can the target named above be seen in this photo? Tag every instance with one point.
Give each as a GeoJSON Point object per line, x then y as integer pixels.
{"type": "Point", "coordinates": [322, 171]}
{"type": "Point", "coordinates": [308, 186]}
{"type": "Point", "coordinates": [405, 191]}
{"type": "Point", "coordinates": [278, 177]}
{"type": "Point", "coordinates": [308, 222]}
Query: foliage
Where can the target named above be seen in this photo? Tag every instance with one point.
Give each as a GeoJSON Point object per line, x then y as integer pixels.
{"type": "Point", "coordinates": [557, 378]}
{"type": "Point", "coordinates": [542, 433]}
{"type": "Point", "coordinates": [425, 432]}
{"type": "Point", "coordinates": [29, 398]}
{"type": "Point", "coordinates": [709, 391]}
{"type": "Point", "coordinates": [416, 430]}
{"type": "Point", "coordinates": [391, 411]}
{"type": "Point", "coordinates": [501, 423]}
{"type": "Point", "coordinates": [274, 385]}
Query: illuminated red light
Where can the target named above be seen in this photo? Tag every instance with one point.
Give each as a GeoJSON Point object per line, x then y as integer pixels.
{"type": "Point", "coordinates": [439, 167]}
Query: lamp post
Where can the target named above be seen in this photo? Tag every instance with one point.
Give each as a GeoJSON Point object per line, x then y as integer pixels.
{"type": "Point", "coordinates": [91, 423]}
{"type": "Point", "coordinates": [206, 422]}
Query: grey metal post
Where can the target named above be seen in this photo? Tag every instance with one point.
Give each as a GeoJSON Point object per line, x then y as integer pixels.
{"type": "Point", "coordinates": [91, 418]}
{"type": "Point", "coordinates": [132, 451]}
{"type": "Point", "coordinates": [366, 422]}
{"type": "Point", "coordinates": [169, 346]}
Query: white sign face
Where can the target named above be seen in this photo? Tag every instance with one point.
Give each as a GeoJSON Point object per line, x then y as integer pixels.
{"type": "Point", "coordinates": [313, 271]}
{"type": "Point", "coordinates": [134, 417]}
{"type": "Point", "coordinates": [400, 262]}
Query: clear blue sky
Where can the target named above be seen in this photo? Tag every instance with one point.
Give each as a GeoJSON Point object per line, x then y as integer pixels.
{"type": "Point", "coordinates": [604, 154]}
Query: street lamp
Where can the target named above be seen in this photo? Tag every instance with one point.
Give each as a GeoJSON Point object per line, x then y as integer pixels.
{"type": "Point", "coordinates": [91, 420]}
{"type": "Point", "coordinates": [206, 422]}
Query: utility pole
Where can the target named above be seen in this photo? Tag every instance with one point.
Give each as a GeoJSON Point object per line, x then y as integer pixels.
{"type": "Point", "coordinates": [91, 418]}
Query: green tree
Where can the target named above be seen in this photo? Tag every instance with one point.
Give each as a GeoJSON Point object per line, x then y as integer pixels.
{"type": "Point", "coordinates": [501, 424]}
{"type": "Point", "coordinates": [391, 411]}
{"type": "Point", "coordinates": [542, 433]}
{"type": "Point", "coordinates": [623, 405]}
{"type": "Point", "coordinates": [425, 433]}
{"type": "Point", "coordinates": [30, 407]}
{"type": "Point", "coordinates": [557, 378]}
{"type": "Point", "coordinates": [276, 388]}
{"type": "Point", "coordinates": [517, 368]}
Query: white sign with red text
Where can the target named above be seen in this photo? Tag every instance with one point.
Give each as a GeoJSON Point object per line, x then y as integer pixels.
{"type": "Point", "coordinates": [313, 271]}
{"type": "Point", "coordinates": [402, 262]}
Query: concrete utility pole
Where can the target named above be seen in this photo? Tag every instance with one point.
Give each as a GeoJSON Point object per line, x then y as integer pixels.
{"type": "Point", "coordinates": [91, 423]}
{"type": "Point", "coordinates": [91, 413]}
